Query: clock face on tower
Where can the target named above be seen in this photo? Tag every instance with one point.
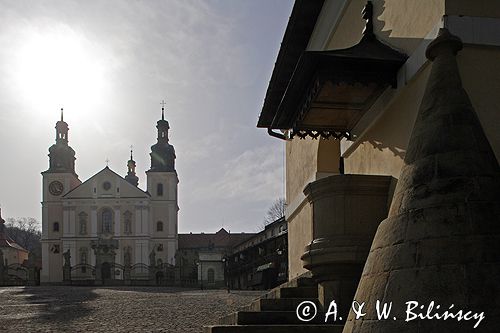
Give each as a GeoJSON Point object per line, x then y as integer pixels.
{"type": "Point", "coordinates": [56, 188]}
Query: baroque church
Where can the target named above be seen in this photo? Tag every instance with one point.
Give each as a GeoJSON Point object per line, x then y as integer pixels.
{"type": "Point", "coordinates": [107, 221]}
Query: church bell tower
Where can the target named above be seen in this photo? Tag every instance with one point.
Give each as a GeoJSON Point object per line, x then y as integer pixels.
{"type": "Point", "coordinates": [162, 183]}
{"type": "Point", "coordinates": [131, 177]}
{"type": "Point", "coordinates": [57, 180]}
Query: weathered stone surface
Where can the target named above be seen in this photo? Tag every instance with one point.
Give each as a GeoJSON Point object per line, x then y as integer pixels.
{"type": "Point", "coordinates": [441, 241]}
{"type": "Point", "coordinates": [116, 309]}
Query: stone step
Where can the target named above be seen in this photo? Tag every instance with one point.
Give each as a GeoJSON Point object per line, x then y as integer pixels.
{"type": "Point", "coordinates": [301, 282]}
{"type": "Point", "coordinates": [293, 292]}
{"type": "Point", "coordinates": [277, 304]}
{"type": "Point", "coordinates": [274, 329]}
{"type": "Point", "coordinates": [270, 318]}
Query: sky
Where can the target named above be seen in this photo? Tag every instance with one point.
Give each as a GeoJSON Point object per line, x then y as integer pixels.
{"type": "Point", "coordinates": [110, 64]}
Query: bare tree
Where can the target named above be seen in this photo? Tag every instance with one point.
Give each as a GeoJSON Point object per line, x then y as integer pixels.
{"type": "Point", "coordinates": [25, 231]}
{"type": "Point", "coordinates": [276, 211]}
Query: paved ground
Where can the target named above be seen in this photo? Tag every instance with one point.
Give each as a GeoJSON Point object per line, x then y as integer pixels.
{"type": "Point", "coordinates": [114, 309]}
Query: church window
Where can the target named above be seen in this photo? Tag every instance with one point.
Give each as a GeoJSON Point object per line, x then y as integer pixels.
{"type": "Point", "coordinates": [127, 223]}
{"type": "Point", "coordinates": [211, 275]}
{"type": "Point", "coordinates": [55, 227]}
{"type": "Point", "coordinates": [106, 186]}
{"type": "Point", "coordinates": [128, 228]}
{"type": "Point", "coordinates": [160, 248]}
{"type": "Point", "coordinates": [83, 223]}
{"type": "Point", "coordinates": [159, 189]}
{"type": "Point", "coordinates": [83, 227]}
{"type": "Point", "coordinates": [107, 221]}
{"type": "Point", "coordinates": [159, 226]}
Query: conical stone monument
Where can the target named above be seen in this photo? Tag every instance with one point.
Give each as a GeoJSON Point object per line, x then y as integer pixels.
{"type": "Point", "coordinates": [441, 240]}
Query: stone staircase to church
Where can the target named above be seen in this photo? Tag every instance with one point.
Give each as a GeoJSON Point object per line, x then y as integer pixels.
{"type": "Point", "coordinates": [276, 312]}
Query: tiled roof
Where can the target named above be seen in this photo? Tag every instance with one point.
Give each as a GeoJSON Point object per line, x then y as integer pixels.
{"type": "Point", "coordinates": [5, 240]}
{"type": "Point", "coordinates": [221, 238]}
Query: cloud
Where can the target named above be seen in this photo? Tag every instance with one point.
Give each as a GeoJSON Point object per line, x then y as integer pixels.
{"type": "Point", "coordinates": [256, 174]}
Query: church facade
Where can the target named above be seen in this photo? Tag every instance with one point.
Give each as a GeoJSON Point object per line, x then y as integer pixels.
{"type": "Point", "coordinates": [107, 221]}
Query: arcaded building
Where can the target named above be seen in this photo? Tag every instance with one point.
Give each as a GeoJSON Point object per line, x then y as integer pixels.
{"type": "Point", "coordinates": [107, 222]}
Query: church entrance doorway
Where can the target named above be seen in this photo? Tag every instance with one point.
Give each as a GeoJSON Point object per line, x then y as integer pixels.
{"type": "Point", "coordinates": [106, 272]}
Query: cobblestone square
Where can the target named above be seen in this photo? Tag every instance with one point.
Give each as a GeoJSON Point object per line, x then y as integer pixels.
{"type": "Point", "coordinates": [114, 309]}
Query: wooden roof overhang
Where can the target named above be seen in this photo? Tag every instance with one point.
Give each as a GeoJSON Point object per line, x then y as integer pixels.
{"type": "Point", "coordinates": [329, 91]}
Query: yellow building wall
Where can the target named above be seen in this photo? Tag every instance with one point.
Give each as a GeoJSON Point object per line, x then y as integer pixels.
{"type": "Point", "coordinates": [300, 234]}
{"type": "Point", "coordinates": [301, 162]}
{"type": "Point", "coordinates": [401, 23]}
{"type": "Point", "coordinates": [381, 149]}
{"type": "Point", "coordinates": [306, 161]}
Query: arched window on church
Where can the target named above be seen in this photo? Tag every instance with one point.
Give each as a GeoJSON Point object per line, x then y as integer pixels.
{"type": "Point", "coordinates": [83, 223]}
{"type": "Point", "coordinates": [127, 224]}
{"type": "Point", "coordinates": [159, 226]}
{"type": "Point", "coordinates": [159, 189]}
{"type": "Point", "coordinates": [107, 221]}
{"type": "Point", "coordinates": [211, 275]}
{"type": "Point", "coordinates": [55, 227]}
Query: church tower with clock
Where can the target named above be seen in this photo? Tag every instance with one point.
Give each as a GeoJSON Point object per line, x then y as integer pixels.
{"type": "Point", "coordinates": [58, 180]}
{"type": "Point", "coordinates": [107, 228]}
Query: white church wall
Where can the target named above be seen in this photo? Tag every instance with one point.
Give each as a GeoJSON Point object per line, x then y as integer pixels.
{"type": "Point", "coordinates": [117, 221]}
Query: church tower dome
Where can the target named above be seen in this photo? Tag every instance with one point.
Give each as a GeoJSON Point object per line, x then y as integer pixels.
{"type": "Point", "coordinates": [61, 155]}
{"type": "Point", "coordinates": [162, 153]}
{"type": "Point", "coordinates": [131, 177]}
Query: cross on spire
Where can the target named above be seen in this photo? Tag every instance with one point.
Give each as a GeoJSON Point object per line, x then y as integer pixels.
{"type": "Point", "coordinates": [131, 150]}
{"type": "Point", "coordinates": [163, 109]}
{"type": "Point", "coordinates": [62, 114]}
{"type": "Point", "coordinates": [107, 162]}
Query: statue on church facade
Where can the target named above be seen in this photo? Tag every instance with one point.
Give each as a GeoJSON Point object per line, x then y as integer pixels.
{"type": "Point", "coordinates": [127, 260]}
{"type": "Point", "coordinates": [67, 257]}
{"type": "Point", "coordinates": [152, 258]}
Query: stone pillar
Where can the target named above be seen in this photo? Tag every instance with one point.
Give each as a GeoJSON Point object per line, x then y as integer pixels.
{"type": "Point", "coordinates": [346, 210]}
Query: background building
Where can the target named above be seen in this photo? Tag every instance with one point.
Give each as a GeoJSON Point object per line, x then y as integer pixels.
{"type": "Point", "coordinates": [201, 256]}
{"type": "Point", "coordinates": [12, 253]}
{"type": "Point", "coordinates": [260, 262]}
{"type": "Point", "coordinates": [107, 222]}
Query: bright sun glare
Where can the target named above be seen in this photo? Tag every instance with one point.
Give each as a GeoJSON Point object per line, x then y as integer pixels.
{"type": "Point", "coordinates": [59, 67]}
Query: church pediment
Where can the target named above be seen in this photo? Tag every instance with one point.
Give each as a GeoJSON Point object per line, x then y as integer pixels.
{"type": "Point", "coordinates": [106, 184]}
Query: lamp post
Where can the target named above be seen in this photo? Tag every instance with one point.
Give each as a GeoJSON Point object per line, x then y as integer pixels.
{"type": "Point", "coordinates": [200, 265]}
{"type": "Point", "coordinates": [225, 262]}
